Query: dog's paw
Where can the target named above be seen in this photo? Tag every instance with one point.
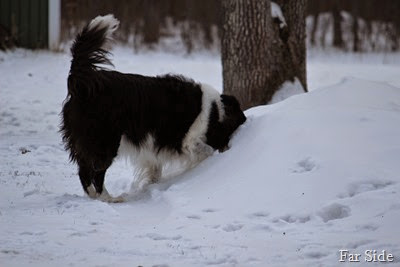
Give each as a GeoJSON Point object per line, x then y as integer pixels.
{"type": "Point", "coordinates": [104, 196]}
{"type": "Point", "coordinates": [111, 199]}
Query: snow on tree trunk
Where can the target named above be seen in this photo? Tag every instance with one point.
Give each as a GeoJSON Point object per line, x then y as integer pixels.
{"type": "Point", "coordinates": [260, 50]}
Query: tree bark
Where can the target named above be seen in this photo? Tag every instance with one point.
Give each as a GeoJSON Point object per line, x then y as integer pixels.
{"type": "Point", "coordinates": [337, 27]}
{"type": "Point", "coordinates": [355, 29]}
{"type": "Point", "coordinates": [258, 55]}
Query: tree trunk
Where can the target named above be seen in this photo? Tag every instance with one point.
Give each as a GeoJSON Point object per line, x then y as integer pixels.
{"type": "Point", "coordinates": [355, 29]}
{"type": "Point", "coordinates": [337, 27]}
{"type": "Point", "coordinates": [152, 21]}
{"type": "Point", "coordinates": [258, 55]}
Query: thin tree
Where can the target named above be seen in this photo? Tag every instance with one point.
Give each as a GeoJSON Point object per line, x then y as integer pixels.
{"type": "Point", "coordinates": [260, 51]}
{"type": "Point", "coordinates": [337, 27]}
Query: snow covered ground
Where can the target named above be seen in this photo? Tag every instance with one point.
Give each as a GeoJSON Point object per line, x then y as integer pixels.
{"type": "Point", "coordinates": [305, 178]}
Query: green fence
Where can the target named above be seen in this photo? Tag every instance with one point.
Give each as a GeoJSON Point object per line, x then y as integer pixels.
{"type": "Point", "coordinates": [27, 21]}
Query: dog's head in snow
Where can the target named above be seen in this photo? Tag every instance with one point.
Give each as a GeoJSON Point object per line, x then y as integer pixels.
{"type": "Point", "coordinates": [234, 116]}
{"type": "Point", "coordinates": [220, 131]}
{"type": "Point", "coordinates": [233, 112]}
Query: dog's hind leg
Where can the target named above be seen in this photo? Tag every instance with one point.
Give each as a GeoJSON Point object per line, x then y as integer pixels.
{"type": "Point", "coordinates": [85, 175]}
{"type": "Point", "coordinates": [101, 191]}
{"type": "Point", "coordinates": [93, 183]}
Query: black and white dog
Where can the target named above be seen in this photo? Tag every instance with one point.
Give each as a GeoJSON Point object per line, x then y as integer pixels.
{"type": "Point", "coordinates": [157, 119]}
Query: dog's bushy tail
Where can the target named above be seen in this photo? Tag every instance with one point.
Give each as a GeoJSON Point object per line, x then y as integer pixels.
{"type": "Point", "coordinates": [88, 50]}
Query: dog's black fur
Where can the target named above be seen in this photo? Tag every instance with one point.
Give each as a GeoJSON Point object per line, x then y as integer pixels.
{"type": "Point", "coordinates": [103, 105]}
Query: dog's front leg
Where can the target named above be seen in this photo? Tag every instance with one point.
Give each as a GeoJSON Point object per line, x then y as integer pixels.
{"type": "Point", "coordinates": [200, 151]}
{"type": "Point", "coordinates": [148, 173]}
{"type": "Point", "coordinates": [154, 173]}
